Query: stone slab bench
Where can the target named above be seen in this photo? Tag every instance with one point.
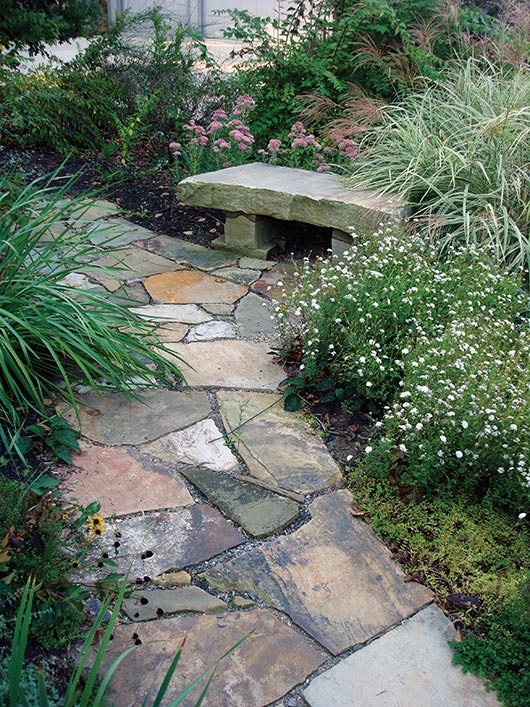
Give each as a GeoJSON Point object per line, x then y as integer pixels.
{"type": "Point", "coordinates": [259, 199]}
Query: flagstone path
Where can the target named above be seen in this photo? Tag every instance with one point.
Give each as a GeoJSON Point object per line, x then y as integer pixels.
{"type": "Point", "coordinates": [230, 514]}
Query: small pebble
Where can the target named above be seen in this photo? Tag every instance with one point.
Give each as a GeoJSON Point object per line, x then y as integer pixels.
{"type": "Point", "coordinates": [222, 624]}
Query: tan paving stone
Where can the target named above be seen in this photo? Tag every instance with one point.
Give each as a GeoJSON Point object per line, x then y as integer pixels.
{"type": "Point", "coordinates": [408, 666]}
{"type": "Point", "coordinates": [333, 577]}
{"type": "Point", "coordinates": [172, 332]}
{"type": "Point", "coordinates": [229, 364]}
{"type": "Point", "coordinates": [115, 420]}
{"type": "Point", "coordinates": [272, 661]}
{"type": "Point", "coordinates": [172, 579]}
{"type": "Point", "coordinates": [276, 445]}
{"type": "Point", "coordinates": [121, 483]}
{"type": "Point", "coordinates": [218, 308]}
{"type": "Point", "coordinates": [192, 287]}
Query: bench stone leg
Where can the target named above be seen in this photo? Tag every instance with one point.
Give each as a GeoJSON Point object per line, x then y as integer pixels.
{"type": "Point", "coordinates": [249, 234]}
{"type": "Point", "coordinates": [340, 242]}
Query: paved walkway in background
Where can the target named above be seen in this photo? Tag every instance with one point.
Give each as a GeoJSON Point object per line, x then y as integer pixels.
{"type": "Point", "coordinates": [232, 515]}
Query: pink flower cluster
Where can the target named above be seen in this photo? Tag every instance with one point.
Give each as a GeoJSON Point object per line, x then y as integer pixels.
{"type": "Point", "coordinates": [244, 103]}
{"type": "Point", "coordinates": [201, 138]}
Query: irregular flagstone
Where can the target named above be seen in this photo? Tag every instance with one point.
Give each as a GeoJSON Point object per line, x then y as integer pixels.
{"type": "Point", "coordinates": [218, 308]}
{"type": "Point", "coordinates": [192, 287]}
{"type": "Point", "coordinates": [172, 579]}
{"type": "Point", "coordinates": [252, 317]}
{"type": "Point", "coordinates": [272, 661]}
{"type": "Point", "coordinates": [115, 420]}
{"type": "Point", "coordinates": [155, 543]}
{"type": "Point", "coordinates": [271, 283]}
{"type": "Point", "coordinates": [410, 665]}
{"type": "Point", "coordinates": [201, 443]}
{"type": "Point", "coordinates": [129, 294]}
{"type": "Point", "coordinates": [275, 444]}
{"type": "Point", "coordinates": [229, 364]}
{"type": "Point", "coordinates": [184, 313]}
{"type": "Point", "coordinates": [333, 577]}
{"type": "Point", "coordinates": [78, 280]}
{"type": "Point", "coordinates": [189, 253]}
{"type": "Point", "coordinates": [128, 264]}
{"type": "Point", "coordinates": [216, 329]}
{"type": "Point", "coordinates": [256, 263]}
{"type": "Point", "coordinates": [121, 483]}
{"type": "Point", "coordinates": [256, 510]}
{"type": "Point", "coordinates": [243, 276]}
{"type": "Point", "coordinates": [116, 232]}
{"type": "Point", "coordinates": [98, 209]}
{"type": "Point", "coordinates": [152, 604]}
{"type": "Point", "coordinates": [171, 332]}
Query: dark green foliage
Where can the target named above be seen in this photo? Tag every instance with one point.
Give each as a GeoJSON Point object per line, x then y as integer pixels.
{"type": "Point", "coordinates": [501, 651]}
{"type": "Point", "coordinates": [32, 23]}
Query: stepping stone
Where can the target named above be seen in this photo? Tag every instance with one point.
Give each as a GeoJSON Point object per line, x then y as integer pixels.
{"type": "Point", "coordinates": [184, 313]}
{"type": "Point", "coordinates": [155, 543]}
{"type": "Point", "coordinates": [229, 364]}
{"type": "Point", "coordinates": [152, 604]}
{"type": "Point", "coordinates": [275, 444]}
{"type": "Point", "coordinates": [252, 317]}
{"type": "Point", "coordinates": [116, 232]}
{"type": "Point", "coordinates": [129, 295]}
{"type": "Point", "coordinates": [171, 332]}
{"type": "Point", "coordinates": [333, 577]}
{"type": "Point", "coordinates": [172, 579]}
{"type": "Point", "coordinates": [200, 444]}
{"type": "Point", "coordinates": [216, 329]}
{"type": "Point", "coordinates": [128, 264]}
{"type": "Point", "coordinates": [189, 253]}
{"type": "Point", "coordinates": [114, 419]}
{"type": "Point", "coordinates": [243, 276]}
{"type": "Point", "coordinates": [256, 263]}
{"type": "Point", "coordinates": [256, 510]}
{"type": "Point", "coordinates": [242, 603]}
{"type": "Point", "coordinates": [121, 483]}
{"type": "Point", "coordinates": [269, 283]}
{"type": "Point", "coordinates": [272, 661]}
{"type": "Point", "coordinates": [192, 287]}
{"type": "Point", "coordinates": [410, 665]}
{"type": "Point", "coordinates": [78, 281]}
{"type": "Point", "coordinates": [99, 209]}
{"type": "Point", "coordinates": [218, 308]}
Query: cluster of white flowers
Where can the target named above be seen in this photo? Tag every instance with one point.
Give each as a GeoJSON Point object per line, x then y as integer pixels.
{"type": "Point", "coordinates": [431, 340]}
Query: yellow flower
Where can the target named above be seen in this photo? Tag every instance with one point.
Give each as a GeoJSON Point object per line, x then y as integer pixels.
{"type": "Point", "coordinates": [96, 525]}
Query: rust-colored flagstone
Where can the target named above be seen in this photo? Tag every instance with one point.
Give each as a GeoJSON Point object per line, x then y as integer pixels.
{"type": "Point", "coordinates": [192, 287]}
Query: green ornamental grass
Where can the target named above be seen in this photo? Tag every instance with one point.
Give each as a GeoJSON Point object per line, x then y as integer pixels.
{"type": "Point", "coordinates": [458, 155]}
{"type": "Point", "coordinates": [52, 337]}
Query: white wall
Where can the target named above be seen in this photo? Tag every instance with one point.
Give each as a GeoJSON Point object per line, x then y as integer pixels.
{"type": "Point", "coordinates": [199, 13]}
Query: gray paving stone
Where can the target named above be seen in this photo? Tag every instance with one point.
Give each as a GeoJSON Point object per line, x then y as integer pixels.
{"type": "Point", "coordinates": [409, 665]}
{"type": "Point", "coordinates": [252, 317]}
{"type": "Point", "coordinates": [243, 276]}
{"type": "Point", "coordinates": [229, 364]}
{"type": "Point", "coordinates": [215, 329]}
{"type": "Point", "coordinates": [275, 444]}
{"type": "Point", "coordinates": [256, 263]}
{"type": "Point", "coordinates": [189, 253]}
{"type": "Point", "coordinates": [145, 605]}
{"type": "Point", "coordinates": [116, 232]}
{"type": "Point", "coordinates": [333, 577]}
{"type": "Point", "coordinates": [256, 510]}
{"type": "Point", "coordinates": [164, 541]}
{"type": "Point", "coordinates": [219, 308]}
{"type": "Point", "coordinates": [128, 264]}
{"type": "Point", "coordinates": [114, 420]}
{"type": "Point", "coordinates": [184, 313]}
{"type": "Point", "coordinates": [200, 444]}
{"type": "Point", "coordinates": [272, 661]}
{"type": "Point", "coordinates": [129, 295]}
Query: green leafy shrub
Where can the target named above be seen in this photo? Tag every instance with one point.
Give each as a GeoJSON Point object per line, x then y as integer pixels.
{"type": "Point", "coordinates": [50, 336]}
{"type": "Point", "coordinates": [458, 154]}
{"type": "Point", "coordinates": [384, 47]}
{"type": "Point", "coordinates": [60, 109]}
{"type": "Point", "coordinates": [437, 348]}
{"type": "Point", "coordinates": [500, 652]}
